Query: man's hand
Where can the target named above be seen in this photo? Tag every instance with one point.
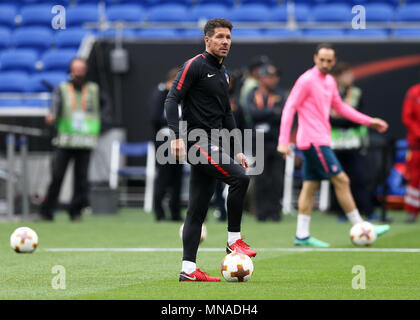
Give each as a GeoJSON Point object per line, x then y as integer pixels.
{"type": "Point", "coordinates": [49, 119]}
{"type": "Point", "coordinates": [243, 161]}
{"type": "Point", "coordinates": [178, 149]}
{"type": "Point", "coordinates": [379, 125]}
{"type": "Point", "coordinates": [284, 150]}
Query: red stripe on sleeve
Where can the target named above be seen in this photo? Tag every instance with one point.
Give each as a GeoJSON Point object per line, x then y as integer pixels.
{"type": "Point", "coordinates": [184, 74]}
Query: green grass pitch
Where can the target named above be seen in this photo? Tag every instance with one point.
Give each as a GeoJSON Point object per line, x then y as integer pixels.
{"type": "Point", "coordinates": [154, 275]}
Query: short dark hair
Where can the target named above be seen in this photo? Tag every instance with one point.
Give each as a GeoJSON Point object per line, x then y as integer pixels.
{"type": "Point", "coordinates": [324, 45]}
{"type": "Point", "coordinates": [216, 23]}
{"type": "Point", "coordinates": [340, 68]}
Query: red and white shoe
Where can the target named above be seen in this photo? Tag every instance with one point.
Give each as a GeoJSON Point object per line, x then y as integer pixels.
{"type": "Point", "coordinates": [197, 275]}
{"type": "Point", "coordinates": [242, 247]}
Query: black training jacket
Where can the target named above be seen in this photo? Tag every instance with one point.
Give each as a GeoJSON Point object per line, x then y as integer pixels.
{"type": "Point", "coordinates": [202, 87]}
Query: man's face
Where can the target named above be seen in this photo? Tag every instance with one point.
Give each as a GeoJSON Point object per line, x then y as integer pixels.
{"type": "Point", "coordinates": [219, 44]}
{"type": "Point", "coordinates": [78, 69]}
{"type": "Point", "coordinates": [270, 81]}
{"type": "Point", "coordinates": [325, 60]}
{"type": "Point", "coordinates": [345, 79]}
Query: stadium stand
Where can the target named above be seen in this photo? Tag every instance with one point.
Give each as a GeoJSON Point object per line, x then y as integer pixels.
{"type": "Point", "coordinates": [29, 47]}
{"type": "Point", "coordinates": [18, 60]}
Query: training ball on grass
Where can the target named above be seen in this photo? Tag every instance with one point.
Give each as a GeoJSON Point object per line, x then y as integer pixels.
{"type": "Point", "coordinates": [237, 267]}
{"type": "Point", "coordinates": [203, 232]}
{"type": "Point", "coordinates": [24, 240]}
{"type": "Point", "coordinates": [363, 234]}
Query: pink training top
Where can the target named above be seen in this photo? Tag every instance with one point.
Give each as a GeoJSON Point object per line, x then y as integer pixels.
{"type": "Point", "coordinates": [312, 97]}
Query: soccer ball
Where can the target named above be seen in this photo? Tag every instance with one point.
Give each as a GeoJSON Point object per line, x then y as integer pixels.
{"type": "Point", "coordinates": [24, 240]}
{"type": "Point", "coordinates": [203, 232]}
{"type": "Point", "coordinates": [363, 234]}
{"type": "Point", "coordinates": [237, 267]}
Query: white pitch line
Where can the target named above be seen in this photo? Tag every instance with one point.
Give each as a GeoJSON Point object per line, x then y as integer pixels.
{"type": "Point", "coordinates": [404, 250]}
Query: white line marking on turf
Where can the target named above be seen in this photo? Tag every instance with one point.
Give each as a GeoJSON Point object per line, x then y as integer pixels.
{"type": "Point", "coordinates": [409, 250]}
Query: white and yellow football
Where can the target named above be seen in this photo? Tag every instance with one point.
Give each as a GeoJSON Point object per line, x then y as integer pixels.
{"type": "Point", "coordinates": [363, 234]}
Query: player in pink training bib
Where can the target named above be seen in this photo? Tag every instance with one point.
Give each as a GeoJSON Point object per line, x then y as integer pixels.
{"type": "Point", "coordinates": [312, 97]}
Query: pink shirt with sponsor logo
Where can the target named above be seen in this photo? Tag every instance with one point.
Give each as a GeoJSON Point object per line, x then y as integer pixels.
{"type": "Point", "coordinates": [312, 97]}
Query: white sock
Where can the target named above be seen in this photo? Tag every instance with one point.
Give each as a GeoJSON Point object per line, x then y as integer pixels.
{"type": "Point", "coordinates": [233, 236]}
{"type": "Point", "coordinates": [303, 222]}
{"type": "Point", "coordinates": [354, 217]}
{"type": "Point", "coordinates": [188, 266]}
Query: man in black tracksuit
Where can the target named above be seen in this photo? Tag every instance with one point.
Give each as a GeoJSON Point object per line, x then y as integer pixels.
{"type": "Point", "coordinates": [202, 87]}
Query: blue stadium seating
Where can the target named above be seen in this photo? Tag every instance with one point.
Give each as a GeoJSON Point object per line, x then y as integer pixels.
{"type": "Point", "coordinates": [77, 15]}
{"type": "Point", "coordinates": [282, 33]}
{"type": "Point", "coordinates": [324, 33]}
{"type": "Point", "coordinates": [36, 15]}
{"type": "Point", "coordinates": [406, 33]}
{"type": "Point", "coordinates": [209, 11]}
{"type": "Point", "coordinates": [228, 3]}
{"type": "Point", "coordinates": [18, 60]}
{"type": "Point", "coordinates": [279, 14]}
{"type": "Point", "coordinates": [111, 33]}
{"type": "Point", "coordinates": [169, 13]}
{"type": "Point", "coordinates": [38, 38]}
{"type": "Point", "coordinates": [332, 13]}
{"type": "Point", "coordinates": [54, 60]}
{"type": "Point", "coordinates": [408, 13]}
{"type": "Point", "coordinates": [5, 38]}
{"type": "Point", "coordinates": [7, 15]}
{"type": "Point", "coordinates": [183, 2]}
{"type": "Point", "coordinates": [379, 12]}
{"type": "Point", "coordinates": [246, 33]}
{"type": "Point", "coordinates": [52, 2]}
{"type": "Point", "coordinates": [367, 33]}
{"type": "Point", "coordinates": [126, 13]}
{"type": "Point", "coordinates": [249, 13]}
{"type": "Point", "coordinates": [13, 81]}
{"type": "Point", "coordinates": [44, 81]}
{"type": "Point", "coordinates": [159, 33]}
{"type": "Point", "coordinates": [265, 2]}
{"type": "Point", "coordinates": [70, 38]}
{"type": "Point", "coordinates": [192, 34]}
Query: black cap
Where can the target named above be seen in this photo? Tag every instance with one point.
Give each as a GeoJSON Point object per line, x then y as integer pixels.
{"type": "Point", "coordinates": [268, 70]}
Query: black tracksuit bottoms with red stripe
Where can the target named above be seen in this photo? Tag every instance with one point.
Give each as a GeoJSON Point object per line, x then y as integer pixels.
{"type": "Point", "coordinates": [214, 164]}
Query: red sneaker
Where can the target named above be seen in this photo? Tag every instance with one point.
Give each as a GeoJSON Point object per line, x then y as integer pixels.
{"type": "Point", "coordinates": [197, 275]}
{"type": "Point", "coordinates": [242, 247]}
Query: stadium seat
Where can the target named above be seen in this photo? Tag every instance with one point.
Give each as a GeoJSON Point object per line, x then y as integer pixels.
{"type": "Point", "coordinates": [125, 13]}
{"type": "Point", "coordinates": [13, 81]}
{"type": "Point", "coordinates": [18, 60]}
{"type": "Point", "coordinates": [52, 2]}
{"type": "Point", "coordinates": [264, 2]}
{"type": "Point", "coordinates": [246, 33]}
{"type": "Point", "coordinates": [187, 3]}
{"type": "Point", "coordinates": [406, 33]}
{"type": "Point", "coordinates": [38, 38]}
{"type": "Point", "coordinates": [158, 33]}
{"type": "Point", "coordinates": [228, 3]}
{"type": "Point", "coordinates": [379, 12]}
{"type": "Point", "coordinates": [70, 38]}
{"type": "Point", "coordinates": [5, 38]}
{"type": "Point", "coordinates": [169, 13]}
{"type": "Point", "coordinates": [209, 11]}
{"type": "Point", "coordinates": [332, 13]}
{"type": "Point", "coordinates": [408, 13]}
{"type": "Point", "coordinates": [323, 33]}
{"type": "Point", "coordinates": [57, 59]}
{"type": "Point", "coordinates": [280, 14]}
{"type": "Point", "coordinates": [111, 33]}
{"type": "Point", "coordinates": [37, 15]}
{"type": "Point", "coordinates": [120, 171]}
{"type": "Point", "coordinates": [367, 33]}
{"type": "Point", "coordinates": [191, 34]}
{"type": "Point", "coordinates": [282, 34]}
{"type": "Point", "coordinates": [77, 15]}
{"type": "Point", "coordinates": [46, 81]}
{"type": "Point", "coordinates": [7, 15]}
{"type": "Point", "coordinates": [250, 13]}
